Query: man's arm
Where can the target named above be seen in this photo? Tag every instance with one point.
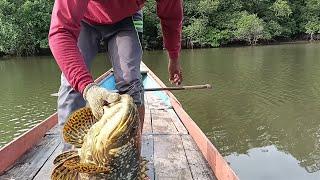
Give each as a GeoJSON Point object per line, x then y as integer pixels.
{"type": "Point", "coordinates": [170, 13]}
{"type": "Point", "coordinates": [63, 35]}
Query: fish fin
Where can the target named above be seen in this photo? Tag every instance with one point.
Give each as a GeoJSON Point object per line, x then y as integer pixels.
{"type": "Point", "coordinates": [143, 173]}
{"type": "Point", "coordinates": [60, 172]}
{"type": "Point", "coordinates": [78, 125]}
{"type": "Point", "coordinates": [74, 164]}
{"type": "Point", "coordinates": [64, 156]}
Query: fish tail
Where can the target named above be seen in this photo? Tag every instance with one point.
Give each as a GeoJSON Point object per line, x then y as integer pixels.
{"type": "Point", "coordinates": [143, 173]}
{"type": "Point", "coordinates": [64, 156]}
{"type": "Point", "coordinates": [74, 164]}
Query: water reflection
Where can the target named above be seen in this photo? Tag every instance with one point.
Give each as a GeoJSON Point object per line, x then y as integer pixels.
{"type": "Point", "coordinates": [26, 85]}
{"type": "Point", "coordinates": [263, 96]}
{"type": "Point", "coordinates": [267, 163]}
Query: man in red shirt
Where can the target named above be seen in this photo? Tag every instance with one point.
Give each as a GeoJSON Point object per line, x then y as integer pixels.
{"type": "Point", "coordinates": [78, 26]}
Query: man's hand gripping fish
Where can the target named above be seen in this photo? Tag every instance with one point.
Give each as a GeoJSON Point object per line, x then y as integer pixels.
{"type": "Point", "coordinates": [109, 148]}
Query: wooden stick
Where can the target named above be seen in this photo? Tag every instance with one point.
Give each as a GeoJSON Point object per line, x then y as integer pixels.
{"type": "Point", "coordinates": [205, 86]}
{"type": "Point", "coordinates": [54, 94]}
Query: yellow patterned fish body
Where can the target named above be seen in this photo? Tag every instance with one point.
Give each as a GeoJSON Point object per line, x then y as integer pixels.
{"type": "Point", "coordinates": [108, 148]}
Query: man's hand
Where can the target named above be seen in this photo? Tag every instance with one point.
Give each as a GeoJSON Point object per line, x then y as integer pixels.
{"type": "Point", "coordinates": [98, 97]}
{"type": "Point", "coordinates": [175, 72]}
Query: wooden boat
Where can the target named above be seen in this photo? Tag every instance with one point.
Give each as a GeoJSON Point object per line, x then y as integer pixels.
{"type": "Point", "coordinates": [172, 142]}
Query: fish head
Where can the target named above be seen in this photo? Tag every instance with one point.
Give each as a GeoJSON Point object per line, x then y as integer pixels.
{"type": "Point", "coordinates": [119, 123]}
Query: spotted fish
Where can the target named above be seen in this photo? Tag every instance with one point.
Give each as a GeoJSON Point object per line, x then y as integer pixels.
{"type": "Point", "coordinates": [108, 148]}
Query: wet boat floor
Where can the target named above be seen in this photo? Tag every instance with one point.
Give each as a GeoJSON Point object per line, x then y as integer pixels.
{"type": "Point", "coordinates": [166, 144]}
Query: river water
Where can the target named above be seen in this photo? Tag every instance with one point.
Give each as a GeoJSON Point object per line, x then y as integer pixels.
{"type": "Point", "coordinates": [263, 113]}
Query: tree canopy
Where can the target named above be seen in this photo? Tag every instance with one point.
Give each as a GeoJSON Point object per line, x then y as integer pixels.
{"type": "Point", "coordinates": [213, 23]}
{"type": "Point", "coordinates": [24, 24]}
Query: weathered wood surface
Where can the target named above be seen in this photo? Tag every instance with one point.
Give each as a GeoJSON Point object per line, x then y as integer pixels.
{"type": "Point", "coordinates": [169, 158]}
{"type": "Point", "coordinates": [166, 144]}
{"type": "Point", "coordinates": [45, 171]}
{"type": "Point", "coordinates": [147, 152]}
{"type": "Point", "coordinates": [162, 123]}
{"type": "Point", "coordinates": [30, 163]}
{"type": "Point", "coordinates": [176, 156]}
{"type": "Point", "coordinates": [176, 121]}
{"type": "Point", "coordinates": [197, 163]}
{"type": "Point", "coordinates": [147, 126]}
{"type": "Point", "coordinates": [147, 140]}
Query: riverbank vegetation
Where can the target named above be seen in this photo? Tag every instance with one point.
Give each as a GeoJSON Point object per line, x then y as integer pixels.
{"type": "Point", "coordinates": [24, 24]}
{"type": "Point", "coordinates": [213, 23]}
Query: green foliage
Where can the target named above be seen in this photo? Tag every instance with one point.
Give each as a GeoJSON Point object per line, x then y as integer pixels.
{"type": "Point", "coordinates": [152, 37]}
{"type": "Point", "coordinates": [313, 6]}
{"type": "Point", "coordinates": [197, 31]}
{"type": "Point", "coordinates": [216, 37]}
{"type": "Point", "coordinates": [214, 23]}
{"type": "Point", "coordinates": [281, 8]}
{"type": "Point", "coordinates": [274, 28]}
{"type": "Point", "coordinates": [7, 26]}
{"type": "Point", "coordinates": [311, 16]}
{"type": "Point", "coordinates": [312, 27]}
{"type": "Point", "coordinates": [250, 28]}
{"type": "Point", "coordinates": [24, 26]}
{"type": "Point", "coordinates": [206, 7]}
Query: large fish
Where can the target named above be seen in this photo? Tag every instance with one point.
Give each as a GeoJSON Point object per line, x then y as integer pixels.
{"type": "Point", "coordinates": [109, 148]}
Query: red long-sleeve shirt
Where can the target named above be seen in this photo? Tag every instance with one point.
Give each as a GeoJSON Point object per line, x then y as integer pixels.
{"type": "Point", "coordinates": [65, 29]}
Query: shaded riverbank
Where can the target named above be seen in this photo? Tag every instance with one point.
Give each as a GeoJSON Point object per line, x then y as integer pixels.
{"type": "Point", "coordinates": [186, 46]}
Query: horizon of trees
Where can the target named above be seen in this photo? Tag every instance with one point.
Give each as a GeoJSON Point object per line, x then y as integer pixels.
{"type": "Point", "coordinates": [24, 24]}
{"type": "Point", "coordinates": [214, 23]}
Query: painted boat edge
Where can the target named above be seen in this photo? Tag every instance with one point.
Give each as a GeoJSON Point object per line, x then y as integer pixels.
{"type": "Point", "coordinates": [12, 151]}
{"type": "Point", "coordinates": [215, 160]}
{"type": "Point", "coordinates": [16, 148]}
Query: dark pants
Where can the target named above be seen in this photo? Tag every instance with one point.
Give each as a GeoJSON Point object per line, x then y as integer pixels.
{"type": "Point", "coordinates": [140, 34]}
{"type": "Point", "coordinates": [125, 53]}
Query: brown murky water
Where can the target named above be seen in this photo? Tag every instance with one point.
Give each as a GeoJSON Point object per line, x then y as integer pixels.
{"type": "Point", "coordinates": [263, 114]}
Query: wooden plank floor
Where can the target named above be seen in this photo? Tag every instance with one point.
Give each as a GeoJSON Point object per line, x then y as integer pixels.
{"type": "Point", "coordinates": [171, 151]}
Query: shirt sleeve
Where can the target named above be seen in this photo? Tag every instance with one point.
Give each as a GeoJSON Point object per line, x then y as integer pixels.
{"type": "Point", "coordinates": [63, 35]}
{"type": "Point", "coordinates": [170, 13]}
